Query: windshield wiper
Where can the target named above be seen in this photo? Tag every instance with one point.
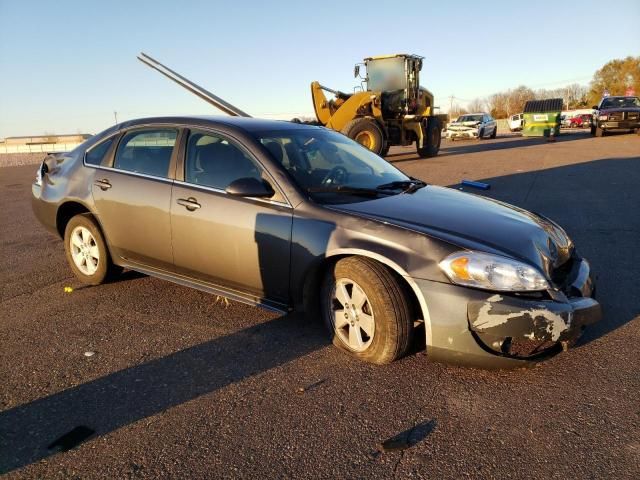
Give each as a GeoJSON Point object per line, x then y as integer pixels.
{"type": "Point", "coordinates": [407, 186]}
{"type": "Point", "coordinates": [373, 192]}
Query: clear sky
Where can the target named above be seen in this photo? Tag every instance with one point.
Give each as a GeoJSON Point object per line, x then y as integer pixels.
{"type": "Point", "coordinates": [66, 66]}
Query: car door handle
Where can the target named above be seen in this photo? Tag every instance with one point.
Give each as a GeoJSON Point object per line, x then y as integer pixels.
{"type": "Point", "coordinates": [190, 203]}
{"type": "Point", "coordinates": [104, 184]}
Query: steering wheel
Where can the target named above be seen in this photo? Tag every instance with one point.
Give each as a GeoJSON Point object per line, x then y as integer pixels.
{"type": "Point", "coordinates": [337, 175]}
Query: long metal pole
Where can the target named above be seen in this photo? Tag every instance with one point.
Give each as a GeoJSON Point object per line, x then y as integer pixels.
{"type": "Point", "coordinates": [192, 87]}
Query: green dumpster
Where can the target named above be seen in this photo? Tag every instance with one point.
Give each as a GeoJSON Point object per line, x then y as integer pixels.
{"type": "Point", "coordinates": [542, 117]}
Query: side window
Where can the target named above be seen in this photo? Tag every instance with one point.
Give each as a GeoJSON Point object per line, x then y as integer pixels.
{"type": "Point", "coordinates": [146, 151]}
{"type": "Point", "coordinates": [213, 161]}
{"type": "Point", "coordinates": [95, 155]}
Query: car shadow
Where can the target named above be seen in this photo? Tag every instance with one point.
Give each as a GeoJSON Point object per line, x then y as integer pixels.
{"type": "Point", "coordinates": [595, 203]}
{"type": "Point", "coordinates": [36, 430]}
{"type": "Point", "coordinates": [458, 147]}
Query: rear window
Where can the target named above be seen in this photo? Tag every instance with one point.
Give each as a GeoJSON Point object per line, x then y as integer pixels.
{"type": "Point", "coordinates": [146, 151]}
{"type": "Point", "coordinates": [95, 155]}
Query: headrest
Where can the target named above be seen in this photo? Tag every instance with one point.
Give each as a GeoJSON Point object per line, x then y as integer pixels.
{"type": "Point", "coordinates": [276, 150]}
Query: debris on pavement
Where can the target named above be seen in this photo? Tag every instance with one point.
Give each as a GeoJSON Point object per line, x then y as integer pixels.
{"type": "Point", "coordinates": [89, 354]}
{"type": "Point", "coordinates": [408, 438]}
{"type": "Point", "coordinates": [311, 386]}
{"type": "Point", "coordinates": [474, 184]}
{"type": "Point", "coordinates": [68, 289]}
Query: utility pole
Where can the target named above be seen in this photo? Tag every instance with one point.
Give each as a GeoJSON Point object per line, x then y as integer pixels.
{"type": "Point", "coordinates": [115, 115]}
{"type": "Point", "coordinates": [451, 97]}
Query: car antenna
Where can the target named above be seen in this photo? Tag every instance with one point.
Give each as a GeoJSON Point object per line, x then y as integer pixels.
{"type": "Point", "coordinates": [206, 95]}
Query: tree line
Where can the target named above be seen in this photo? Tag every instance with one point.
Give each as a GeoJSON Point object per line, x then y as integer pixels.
{"type": "Point", "coordinates": [615, 77]}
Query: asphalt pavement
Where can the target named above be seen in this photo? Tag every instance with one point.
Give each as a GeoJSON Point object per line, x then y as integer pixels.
{"type": "Point", "coordinates": [142, 378]}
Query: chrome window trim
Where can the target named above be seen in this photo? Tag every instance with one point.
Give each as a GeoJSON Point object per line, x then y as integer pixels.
{"type": "Point", "coordinates": [84, 157]}
{"type": "Point", "coordinates": [189, 126]}
{"type": "Point", "coordinates": [127, 131]}
{"type": "Point", "coordinates": [129, 172]}
{"type": "Point", "coordinates": [238, 143]}
{"type": "Point", "coordinates": [218, 190]}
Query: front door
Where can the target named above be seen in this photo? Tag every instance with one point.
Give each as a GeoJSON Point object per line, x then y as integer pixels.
{"type": "Point", "coordinates": [241, 244]}
{"type": "Point", "coordinates": [133, 197]}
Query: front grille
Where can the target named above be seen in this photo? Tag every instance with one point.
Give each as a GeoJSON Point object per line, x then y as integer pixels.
{"type": "Point", "coordinates": [615, 116]}
{"type": "Point", "coordinates": [561, 275]}
{"type": "Point", "coordinates": [633, 116]}
{"type": "Point", "coordinates": [526, 348]}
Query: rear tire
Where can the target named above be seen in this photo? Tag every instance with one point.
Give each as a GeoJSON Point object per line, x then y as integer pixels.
{"type": "Point", "coordinates": [380, 327]}
{"type": "Point", "coordinates": [367, 133]}
{"type": "Point", "coordinates": [432, 138]}
{"type": "Point", "coordinates": [87, 252]}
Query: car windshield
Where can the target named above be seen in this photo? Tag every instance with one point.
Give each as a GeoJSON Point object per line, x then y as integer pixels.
{"type": "Point", "coordinates": [331, 167]}
{"type": "Point", "coordinates": [620, 102]}
{"type": "Point", "coordinates": [470, 118]}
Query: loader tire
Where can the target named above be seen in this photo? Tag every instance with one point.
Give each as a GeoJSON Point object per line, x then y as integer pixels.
{"type": "Point", "coordinates": [385, 150]}
{"type": "Point", "coordinates": [367, 133]}
{"type": "Point", "coordinates": [432, 138]}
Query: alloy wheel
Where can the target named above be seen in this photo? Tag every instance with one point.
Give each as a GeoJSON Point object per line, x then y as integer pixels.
{"type": "Point", "coordinates": [84, 250]}
{"type": "Point", "coordinates": [352, 315]}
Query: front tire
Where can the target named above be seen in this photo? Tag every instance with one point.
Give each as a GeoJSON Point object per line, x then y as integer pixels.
{"type": "Point", "coordinates": [366, 310]}
{"type": "Point", "coordinates": [87, 252]}
{"type": "Point", "coordinates": [495, 132]}
{"type": "Point", "coordinates": [432, 139]}
{"type": "Point", "coordinates": [367, 133]}
{"type": "Point", "coordinates": [600, 132]}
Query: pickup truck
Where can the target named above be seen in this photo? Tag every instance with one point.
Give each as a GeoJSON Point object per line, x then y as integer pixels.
{"type": "Point", "coordinates": [616, 113]}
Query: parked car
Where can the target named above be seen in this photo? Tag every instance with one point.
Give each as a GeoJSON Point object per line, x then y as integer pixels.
{"type": "Point", "coordinates": [292, 216]}
{"type": "Point", "coordinates": [580, 121]}
{"type": "Point", "coordinates": [474, 125]}
{"type": "Point", "coordinates": [515, 122]}
{"type": "Point", "coordinates": [565, 121]}
{"type": "Point", "coordinates": [616, 113]}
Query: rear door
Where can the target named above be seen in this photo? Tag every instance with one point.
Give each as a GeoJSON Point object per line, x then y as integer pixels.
{"type": "Point", "coordinates": [491, 124]}
{"type": "Point", "coordinates": [132, 194]}
{"type": "Point", "coordinates": [241, 244]}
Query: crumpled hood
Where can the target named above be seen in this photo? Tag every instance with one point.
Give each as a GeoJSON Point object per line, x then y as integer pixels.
{"type": "Point", "coordinates": [473, 222]}
{"type": "Point", "coordinates": [463, 125]}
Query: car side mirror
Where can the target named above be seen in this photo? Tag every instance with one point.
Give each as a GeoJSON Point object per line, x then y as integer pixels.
{"type": "Point", "coordinates": [250, 187]}
{"type": "Point", "coordinates": [595, 107]}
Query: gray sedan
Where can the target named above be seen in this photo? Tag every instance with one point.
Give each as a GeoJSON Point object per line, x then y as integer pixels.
{"type": "Point", "coordinates": [291, 216]}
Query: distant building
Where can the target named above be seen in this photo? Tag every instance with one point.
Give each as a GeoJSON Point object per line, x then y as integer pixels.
{"type": "Point", "coordinates": [46, 139]}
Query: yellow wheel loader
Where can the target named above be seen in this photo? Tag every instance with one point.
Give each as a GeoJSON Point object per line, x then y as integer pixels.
{"type": "Point", "coordinates": [393, 109]}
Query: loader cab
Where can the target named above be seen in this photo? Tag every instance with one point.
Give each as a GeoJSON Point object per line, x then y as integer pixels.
{"type": "Point", "coordinates": [396, 78]}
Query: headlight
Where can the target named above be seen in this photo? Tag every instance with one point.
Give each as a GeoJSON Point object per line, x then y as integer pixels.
{"type": "Point", "coordinates": [603, 117]}
{"type": "Point", "coordinates": [492, 272]}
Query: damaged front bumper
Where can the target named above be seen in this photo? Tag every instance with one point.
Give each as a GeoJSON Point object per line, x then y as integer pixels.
{"type": "Point", "coordinates": [462, 133]}
{"type": "Point", "coordinates": [508, 330]}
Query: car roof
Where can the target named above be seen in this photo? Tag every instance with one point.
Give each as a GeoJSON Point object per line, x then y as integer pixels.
{"type": "Point", "coordinates": [248, 124]}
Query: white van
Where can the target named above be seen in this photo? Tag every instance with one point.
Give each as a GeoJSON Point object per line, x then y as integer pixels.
{"type": "Point", "coordinates": [515, 122]}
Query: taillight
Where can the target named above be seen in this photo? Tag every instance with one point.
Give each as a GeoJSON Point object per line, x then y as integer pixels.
{"type": "Point", "coordinates": [42, 169]}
